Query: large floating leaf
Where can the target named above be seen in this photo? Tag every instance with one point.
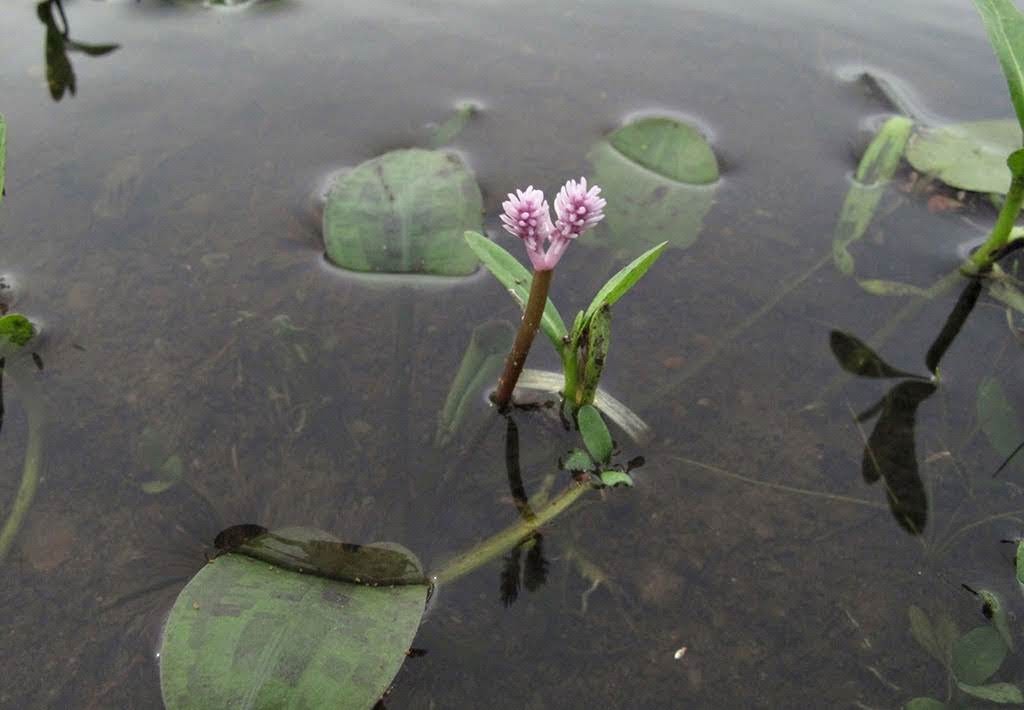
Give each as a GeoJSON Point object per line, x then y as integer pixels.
{"type": "Point", "coordinates": [245, 633]}
{"type": "Point", "coordinates": [969, 156]}
{"type": "Point", "coordinates": [513, 276]}
{"type": "Point", "coordinates": [977, 655]}
{"type": "Point", "coordinates": [404, 212]}
{"type": "Point", "coordinates": [659, 177]}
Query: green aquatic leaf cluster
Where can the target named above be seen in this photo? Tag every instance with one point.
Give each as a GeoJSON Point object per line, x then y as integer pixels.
{"type": "Point", "coordinates": [971, 659]}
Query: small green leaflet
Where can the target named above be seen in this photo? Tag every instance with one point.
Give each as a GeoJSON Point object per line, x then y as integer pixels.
{"type": "Point", "coordinates": [977, 655]}
{"type": "Point", "coordinates": [595, 433]}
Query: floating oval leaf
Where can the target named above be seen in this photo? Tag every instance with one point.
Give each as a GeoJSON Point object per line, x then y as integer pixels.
{"type": "Point", "coordinates": [245, 633]}
{"type": "Point", "coordinates": [659, 177]}
{"type": "Point", "coordinates": [595, 433]}
{"type": "Point", "coordinates": [1003, 693]}
{"type": "Point", "coordinates": [404, 212]}
{"type": "Point", "coordinates": [977, 655]}
{"type": "Point", "coordinates": [969, 156]}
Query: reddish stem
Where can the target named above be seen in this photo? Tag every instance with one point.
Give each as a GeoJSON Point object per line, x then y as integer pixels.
{"type": "Point", "coordinates": [524, 338]}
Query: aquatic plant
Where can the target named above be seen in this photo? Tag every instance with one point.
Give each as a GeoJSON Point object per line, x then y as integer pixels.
{"type": "Point", "coordinates": [584, 349]}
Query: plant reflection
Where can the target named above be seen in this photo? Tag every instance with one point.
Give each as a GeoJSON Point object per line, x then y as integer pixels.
{"type": "Point", "coordinates": [60, 75]}
{"type": "Point", "coordinates": [890, 452]}
{"type": "Point", "coordinates": [516, 573]}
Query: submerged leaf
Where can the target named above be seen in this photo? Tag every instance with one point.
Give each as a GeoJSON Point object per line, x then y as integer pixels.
{"type": "Point", "coordinates": [404, 212]}
{"type": "Point", "coordinates": [998, 418]}
{"type": "Point", "coordinates": [596, 436]}
{"type": "Point", "coordinates": [487, 349]}
{"type": "Point", "coordinates": [856, 357]}
{"type": "Point", "coordinates": [977, 655]}
{"type": "Point", "coordinates": [876, 168]}
{"type": "Point", "coordinates": [995, 611]}
{"type": "Point", "coordinates": [931, 638]}
{"type": "Point", "coordinates": [659, 177]}
{"type": "Point", "coordinates": [1003, 693]}
{"type": "Point", "coordinates": [511, 274]}
{"type": "Point", "coordinates": [925, 704]}
{"type": "Point", "coordinates": [967, 156]}
{"type": "Point", "coordinates": [245, 633]}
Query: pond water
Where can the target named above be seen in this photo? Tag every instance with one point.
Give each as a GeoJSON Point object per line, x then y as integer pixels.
{"type": "Point", "coordinates": [161, 225]}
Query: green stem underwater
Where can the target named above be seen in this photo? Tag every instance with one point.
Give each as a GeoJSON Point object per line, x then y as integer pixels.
{"type": "Point", "coordinates": [507, 539]}
{"type": "Point", "coordinates": [29, 475]}
{"type": "Point", "coordinates": [532, 315]}
{"type": "Point", "coordinates": [982, 258]}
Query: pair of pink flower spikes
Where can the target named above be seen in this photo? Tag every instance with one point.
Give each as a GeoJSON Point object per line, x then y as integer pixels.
{"type": "Point", "coordinates": [528, 217]}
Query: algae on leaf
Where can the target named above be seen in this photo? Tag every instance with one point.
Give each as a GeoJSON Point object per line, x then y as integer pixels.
{"type": "Point", "coordinates": [404, 212]}
{"type": "Point", "coordinates": [658, 175]}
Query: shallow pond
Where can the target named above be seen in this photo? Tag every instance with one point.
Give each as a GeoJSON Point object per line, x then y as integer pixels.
{"type": "Point", "coordinates": [162, 226]}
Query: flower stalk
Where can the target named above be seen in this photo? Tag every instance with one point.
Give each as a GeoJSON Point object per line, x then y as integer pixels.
{"type": "Point", "coordinates": [528, 327]}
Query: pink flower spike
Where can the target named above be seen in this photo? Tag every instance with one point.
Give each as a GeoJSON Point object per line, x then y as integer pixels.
{"type": "Point", "coordinates": [528, 217]}
{"type": "Point", "coordinates": [577, 209]}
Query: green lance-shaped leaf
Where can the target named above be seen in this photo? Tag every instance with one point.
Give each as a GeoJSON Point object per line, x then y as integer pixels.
{"type": "Point", "coordinates": [596, 436]}
{"type": "Point", "coordinates": [998, 418]}
{"type": "Point", "coordinates": [966, 156]}
{"type": "Point", "coordinates": [3, 154]}
{"type": "Point", "coordinates": [856, 357]}
{"type": "Point", "coordinates": [246, 633]}
{"type": "Point", "coordinates": [511, 274]}
{"type": "Point", "coordinates": [1002, 693]}
{"type": "Point", "coordinates": [487, 349]}
{"type": "Point", "coordinates": [618, 285]}
{"type": "Point", "coordinates": [977, 655]}
{"type": "Point", "coordinates": [404, 212]}
{"type": "Point", "coordinates": [599, 334]}
{"type": "Point", "coordinates": [1005, 27]}
{"type": "Point", "coordinates": [876, 168]}
{"type": "Point", "coordinates": [659, 176]}
{"type": "Point", "coordinates": [15, 331]}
